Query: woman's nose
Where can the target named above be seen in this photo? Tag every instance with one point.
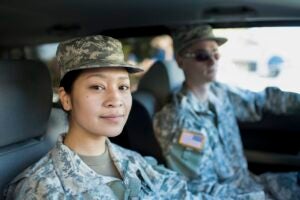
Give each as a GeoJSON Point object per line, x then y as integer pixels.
{"type": "Point", "coordinates": [113, 99]}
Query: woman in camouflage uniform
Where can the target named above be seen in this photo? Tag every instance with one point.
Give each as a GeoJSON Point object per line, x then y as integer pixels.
{"type": "Point", "coordinates": [84, 164]}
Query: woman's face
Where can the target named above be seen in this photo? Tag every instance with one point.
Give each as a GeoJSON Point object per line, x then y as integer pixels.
{"type": "Point", "coordinates": [100, 101]}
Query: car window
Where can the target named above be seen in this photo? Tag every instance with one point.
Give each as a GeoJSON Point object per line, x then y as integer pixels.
{"type": "Point", "coordinates": [255, 58]}
{"type": "Point", "coordinates": [145, 51]}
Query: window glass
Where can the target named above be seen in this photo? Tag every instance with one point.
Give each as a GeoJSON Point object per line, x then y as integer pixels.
{"type": "Point", "coordinates": [46, 53]}
{"type": "Point", "coordinates": [255, 58]}
{"type": "Point", "coordinates": [145, 51]}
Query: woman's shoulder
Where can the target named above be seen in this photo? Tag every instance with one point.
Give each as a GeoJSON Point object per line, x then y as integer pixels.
{"type": "Point", "coordinates": [40, 167]}
{"type": "Point", "coordinates": [40, 173]}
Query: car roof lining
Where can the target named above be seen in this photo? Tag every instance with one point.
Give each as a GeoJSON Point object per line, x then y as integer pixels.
{"type": "Point", "coordinates": [34, 22]}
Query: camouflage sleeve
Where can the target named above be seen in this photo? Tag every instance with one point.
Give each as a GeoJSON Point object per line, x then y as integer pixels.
{"type": "Point", "coordinates": [170, 184]}
{"type": "Point", "coordinates": [167, 125]}
{"type": "Point", "coordinates": [27, 189]}
{"type": "Point", "coordinates": [249, 106]}
{"type": "Point", "coordinates": [282, 185]}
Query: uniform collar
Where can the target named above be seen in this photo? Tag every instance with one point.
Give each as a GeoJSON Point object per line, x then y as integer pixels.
{"type": "Point", "coordinates": [130, 168]}
{"type": "Point", "coordinates": [186, 99]}
{"type": "Point", "coordinates": [76, 177]}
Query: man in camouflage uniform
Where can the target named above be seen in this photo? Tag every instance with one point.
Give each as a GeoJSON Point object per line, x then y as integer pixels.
{"type": "Point", "coordinates": [198, 130]}
{"type": "Point", "coordinates": [64, 174]}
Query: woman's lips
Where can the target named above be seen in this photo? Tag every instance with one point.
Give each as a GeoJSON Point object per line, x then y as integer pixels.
{"type": "Point", "coordinates": [113, 118]}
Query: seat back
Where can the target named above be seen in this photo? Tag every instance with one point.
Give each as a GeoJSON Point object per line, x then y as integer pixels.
{"type": "Point", "coordinates": [157, 85]}
{"type": "Point", "coordinates": [163, 78]}
{"type": "Point", "coordinates": [138, 134]}
{"type": "Point", "coordinates": [25, 105]}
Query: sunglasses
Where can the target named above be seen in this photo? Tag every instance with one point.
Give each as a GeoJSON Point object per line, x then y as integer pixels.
{"type": "Point", "coordinates": [202, 55]}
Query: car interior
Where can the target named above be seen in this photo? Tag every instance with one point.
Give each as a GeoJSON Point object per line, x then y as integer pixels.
{"type": "Point", "coordinates": [29, 126]}
{"type": "Point", "coordinates": [30, 121]}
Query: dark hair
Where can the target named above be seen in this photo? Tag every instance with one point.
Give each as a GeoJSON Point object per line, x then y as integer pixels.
{"type": "Point", "coordinates": [68, 80]}
{"type": "Point", "coordinates": [67, 83]}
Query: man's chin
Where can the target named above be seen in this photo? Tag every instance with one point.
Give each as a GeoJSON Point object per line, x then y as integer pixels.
{"type": "Point", "coordinates": [213, 76]}
{"type": "Point", "coordinates": [211, 79]}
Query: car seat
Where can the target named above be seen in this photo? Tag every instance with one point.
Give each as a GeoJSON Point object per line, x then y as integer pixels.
{"type": "Point", "coordinates": [138, 132]}
{"type": "Point", "coordinates": [163, 78]}
{"type": "Point", "coordinates": [25, 106]}
{"type": "Point", "coordinates": [157, 85]}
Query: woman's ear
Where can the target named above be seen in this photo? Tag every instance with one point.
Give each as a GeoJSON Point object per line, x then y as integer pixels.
{"type": "Point", "coordinates": [65, 99]}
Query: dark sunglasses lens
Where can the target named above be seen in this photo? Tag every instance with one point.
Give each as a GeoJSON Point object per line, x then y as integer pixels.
{"type": "Point", "coordinates": [202, 56]}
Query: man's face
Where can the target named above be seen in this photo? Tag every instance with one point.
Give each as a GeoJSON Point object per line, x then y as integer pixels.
{"type": "Point", "coordinates": [200, 61]}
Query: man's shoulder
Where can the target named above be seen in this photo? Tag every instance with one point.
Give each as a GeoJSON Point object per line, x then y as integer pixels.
{"type": "Point", "coordinates": [219, 86]}
{"type": "Point", "coordinates": [176, 104]}
{"type": "Point", "coordinates": [168, 114]}
{"type": "Point", "coordinates": [176, 109]}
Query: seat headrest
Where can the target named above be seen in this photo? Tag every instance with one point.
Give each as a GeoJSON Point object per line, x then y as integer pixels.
{"type": "Point", "coordinates": [25, 103]}
{"type": "Point", "coordinates": [162, 79]}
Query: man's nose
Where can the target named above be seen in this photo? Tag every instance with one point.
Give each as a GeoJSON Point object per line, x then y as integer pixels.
{"type": "Point", "coordinates": [214, 58]}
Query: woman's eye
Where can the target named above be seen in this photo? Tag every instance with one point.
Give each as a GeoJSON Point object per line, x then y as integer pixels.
{"type": "Point", "coordinates": [97, 87]}
{"type": "Point", "coordinates": [124, 87]}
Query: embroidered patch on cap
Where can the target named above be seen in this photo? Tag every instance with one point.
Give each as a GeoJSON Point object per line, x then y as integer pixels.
{"type": "Point", "coordinates": [192, 139]}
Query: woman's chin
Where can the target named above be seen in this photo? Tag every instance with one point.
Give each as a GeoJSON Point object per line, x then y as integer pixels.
{"type": "Point", "coordinates": [113, 132]}
{"type": "Point", "coordinates": [113, 135]}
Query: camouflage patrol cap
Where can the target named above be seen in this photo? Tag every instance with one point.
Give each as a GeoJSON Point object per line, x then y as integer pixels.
{"type": "Point", "coordinates": [91, 52]}
{"type": "Point", "coordinates": [187, 35]}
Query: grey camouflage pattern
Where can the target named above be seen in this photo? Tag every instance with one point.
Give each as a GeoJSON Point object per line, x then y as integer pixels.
{"type": "Point", "coordinates": [220, 168]}
{"type": "Point", "coordinates": [61, 174]}
{"type": "Point", "coordinates": [187, 35]}
{"type": "Point", "coordinates": [91, 52]}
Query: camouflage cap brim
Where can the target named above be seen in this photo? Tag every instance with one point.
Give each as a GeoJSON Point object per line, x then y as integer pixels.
{"type": "Point", "coordinates": [220, 41]}
{"type": "Point", "coordinates": [92, 52]}
{"type": "Point", "coordinates": [187, 35]}
{"type": "Point", "coordinates": [130, 68]}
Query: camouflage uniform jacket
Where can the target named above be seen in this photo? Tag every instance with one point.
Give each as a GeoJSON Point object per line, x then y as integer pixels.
{"type": "Point", "coordinates": [220, 168]}
{"type": "Point", "coordinates": [61, 174]}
